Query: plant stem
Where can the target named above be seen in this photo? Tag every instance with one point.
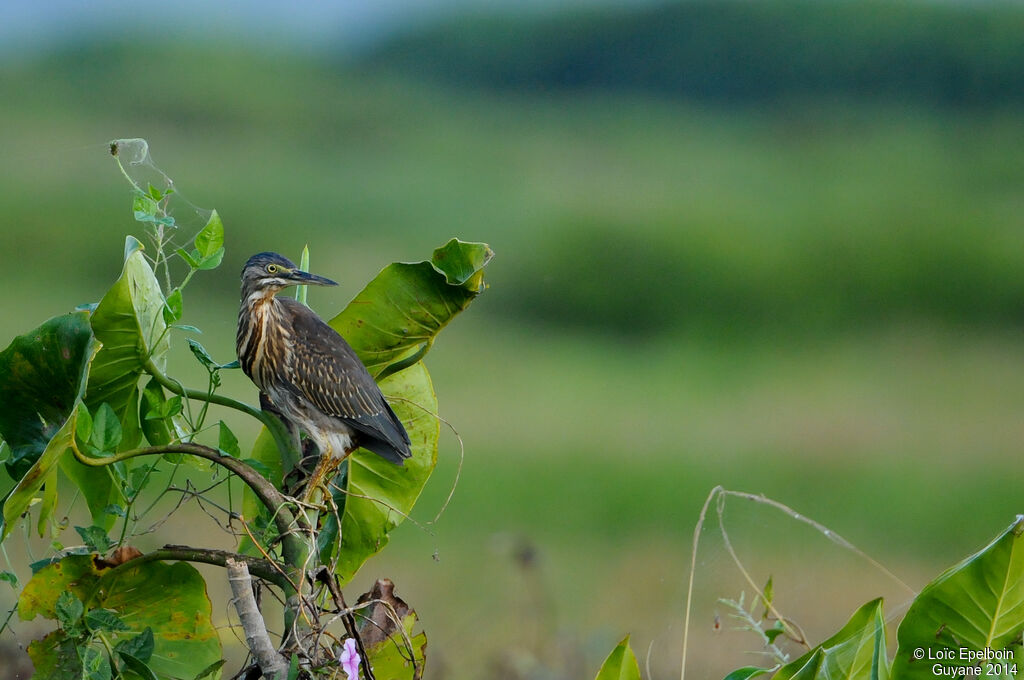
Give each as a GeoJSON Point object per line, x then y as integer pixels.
{"type": "Point", "coordinates": [276, 428]}
{"type": "Point", "coordinates": [106, 643]}
{"type": "Point", "coordinates": [292, 527]}
{"type": "Point", "coordinates": [124, 172]}
{"type": "Point", "coordinates": [261, 567]}
{"type": "Point", "coordinates": [271, 497]}
{"type": "Point", "coordinates": [298, 546]}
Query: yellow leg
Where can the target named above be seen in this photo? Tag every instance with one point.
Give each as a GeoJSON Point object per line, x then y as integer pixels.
{"type": "Point", "coordinates": [322, 474]}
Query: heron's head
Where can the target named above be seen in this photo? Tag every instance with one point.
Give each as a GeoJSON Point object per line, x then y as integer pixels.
{"type": "Point", "coordinates": [270, 272]}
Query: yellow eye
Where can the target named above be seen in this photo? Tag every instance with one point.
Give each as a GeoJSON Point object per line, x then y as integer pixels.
{"type": "Point", "coordinates": [271, 268]}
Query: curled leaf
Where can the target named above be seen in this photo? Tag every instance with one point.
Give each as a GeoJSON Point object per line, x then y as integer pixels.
{"type": "Point", "coordinates": [393, 650]}
{"type": "Point", "coordinates": [399, 313]}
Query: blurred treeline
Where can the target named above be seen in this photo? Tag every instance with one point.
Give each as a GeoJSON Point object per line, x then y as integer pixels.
{"type": "Point", "coordinates": [878, 119]}
{"type": "Point", "coordinates": [718, 166]}
{"type": "Point", "coordinates": [739, 51]}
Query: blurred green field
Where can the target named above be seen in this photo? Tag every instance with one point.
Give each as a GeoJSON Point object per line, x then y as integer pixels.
{"type": "Point", "coordinates": [818, 302]}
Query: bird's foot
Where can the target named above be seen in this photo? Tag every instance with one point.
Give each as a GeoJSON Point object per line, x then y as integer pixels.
{"type": "Point", "coordinates": [316, 486]}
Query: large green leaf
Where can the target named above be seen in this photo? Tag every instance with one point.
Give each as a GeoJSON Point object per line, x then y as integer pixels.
{"type": "Point", "coordinates": [394, 319]}
{"type": "Point", "coordinates": [129, 322]}
{"type": "Point", "coordinates": [378, 494]}
{"type": "Point", "coordinates": [42, 374]}
{"type": "Point", "coordinates": [975, 605]}
{"type": "Point", "coordinates": [45, 372]}
{"type": "Point", "coordinates": [391, 324]}
{"type": "Point", "coordinates": [42, 378]}
{"type": "Point", "coordinates": [170, 599]}
{"type": "Point", "coordinates": [856, 651]}
{"type": "Point", "coordinates": [620, 664]}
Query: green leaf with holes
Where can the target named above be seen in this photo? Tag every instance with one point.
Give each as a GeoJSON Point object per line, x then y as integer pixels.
{"type": "Point", "coordinates": [68, 610]}
{"type": "Point", "coordinates": [129, 321]}
{"type": "Point", "coordinates": [392, 322]}
{"type": "Point", "coordinates": [975, 605]}
{"type": "Point", "coordinates": [168, 599]}
{"type": "Point", "coordinates": [620, 664]}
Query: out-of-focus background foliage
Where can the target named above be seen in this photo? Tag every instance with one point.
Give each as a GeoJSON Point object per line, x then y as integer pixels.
{"type": "Point", "coordinates": [772, 245]}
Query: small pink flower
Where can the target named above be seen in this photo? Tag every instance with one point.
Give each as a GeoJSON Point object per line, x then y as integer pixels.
{"type": "Point", "coordinates": [349, 659]}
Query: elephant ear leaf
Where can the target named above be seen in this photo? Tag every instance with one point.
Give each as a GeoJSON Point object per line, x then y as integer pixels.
{"type": "Point", "coordinates": [43, 376]}
{"type": "Point", "coordinates": [129, 322]}
{"type": "Point", "coordinates": [375, 495]}
{"type": "Point", "coordinates": [392, 322]}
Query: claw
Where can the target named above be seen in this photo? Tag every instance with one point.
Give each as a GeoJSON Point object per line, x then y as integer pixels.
{"type": "Point", "coordinates": [316, 485]}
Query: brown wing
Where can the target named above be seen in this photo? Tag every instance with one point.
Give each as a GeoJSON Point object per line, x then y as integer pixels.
{"type": "Point", "coordinates": [326, 371]}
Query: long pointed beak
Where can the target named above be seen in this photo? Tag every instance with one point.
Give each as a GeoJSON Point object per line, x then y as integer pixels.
{"type": "Point", "coordinates": [306, 279]}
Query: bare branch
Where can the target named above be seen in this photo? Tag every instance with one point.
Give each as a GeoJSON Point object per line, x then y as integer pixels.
{"type": "Point", "coordinates": [264, 569]}
{"type": "Point", "coordinates": [264, 490]}
{"type": "Point", "coordinates": [270, 662]}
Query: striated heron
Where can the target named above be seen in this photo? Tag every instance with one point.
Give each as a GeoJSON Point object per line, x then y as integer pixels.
{"type": "Point", "coordinates": [307, 371]}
